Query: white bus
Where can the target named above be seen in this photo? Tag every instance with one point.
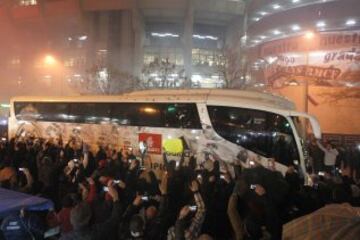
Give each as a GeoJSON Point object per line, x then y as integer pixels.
{"type": "Point", "coordinates": [226, 125]}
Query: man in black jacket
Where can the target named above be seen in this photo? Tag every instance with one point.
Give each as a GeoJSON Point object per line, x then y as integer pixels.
{"type": "Point", "coordinates": [80, 219]}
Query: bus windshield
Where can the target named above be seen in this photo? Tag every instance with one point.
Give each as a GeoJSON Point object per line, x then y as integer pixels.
{"type": "Point", "coordinates": [265, 133]}
{"type": "Point", "coordinates": [304, 130]}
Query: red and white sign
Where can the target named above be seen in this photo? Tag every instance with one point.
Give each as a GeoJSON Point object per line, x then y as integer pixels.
{"type": "Point", "coordinates": [153, 142]}
{"type": "Point", "coordinates": [329, 59]}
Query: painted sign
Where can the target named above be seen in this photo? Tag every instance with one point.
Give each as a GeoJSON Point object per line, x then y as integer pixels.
{"type": "Point", "coordinates": [323, 41]}
{"type": "Point", "coordinates": [329, 68]}
{"type": "Point", "coordinates": [330, 59]}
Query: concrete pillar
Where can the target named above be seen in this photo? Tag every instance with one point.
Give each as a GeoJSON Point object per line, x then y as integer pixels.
{"type": "Point", "coordinates": [126, 42]}
{"type": "Point", "coordinates": [233, 53]}
{"type": "Point", "coordinates": [139, 38]}
{"type": "Point", "coordinates": [188, 41]}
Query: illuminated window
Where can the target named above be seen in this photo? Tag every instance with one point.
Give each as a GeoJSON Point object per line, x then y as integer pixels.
{"type": "Point", "coordinates": [174, 55]}
{"type": "Point", "coordinates": [206, 57]}
{"type": "Point", "coordinates": [69, 62]}
{"type": "Point", "coordinates": [27, 2]}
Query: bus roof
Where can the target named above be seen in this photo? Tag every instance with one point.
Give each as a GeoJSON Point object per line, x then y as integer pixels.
{"type": "Point", "coordinates": [225, 96]}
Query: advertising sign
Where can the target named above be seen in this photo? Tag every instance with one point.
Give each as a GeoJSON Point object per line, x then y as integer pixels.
{"type": "Point", "coordinates": [153, 142]}
{"type": "Point", "coordinates": [331, 59]}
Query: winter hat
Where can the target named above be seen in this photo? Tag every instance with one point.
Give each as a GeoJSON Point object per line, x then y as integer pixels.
{"type": "Point", "coordinates": [136, 226]}
{"type": "Point", "coordinates": [80, 215]}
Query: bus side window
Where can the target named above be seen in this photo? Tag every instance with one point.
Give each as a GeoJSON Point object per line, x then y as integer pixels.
{"type": "Point", "coordinates": [41, 111]}
{"type": "Point", "coordinates": [53, 112]}
{"type": "Point", "coordinates": [150, 115]}
{"type": "Point", "coordinates": [90, 113]}
{"type": "Point", "coordinates": [124, 114]}
{"type": "Point", "coordinates": [26, 111]}
{"type": "Point", "coordinates": [181, 115]}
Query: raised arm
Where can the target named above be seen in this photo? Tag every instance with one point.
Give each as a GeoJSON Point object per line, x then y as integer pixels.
{"type": "Point", "coordinates": [234, 217]}
{"type": "Point", "coordinates": [197, 221]}
{"type": "Point", "coordinates": [104, 229]}
{"type": "Point", "coordinates": [321, 146]}
{"type": "Point", "coordinates": [29, 181]}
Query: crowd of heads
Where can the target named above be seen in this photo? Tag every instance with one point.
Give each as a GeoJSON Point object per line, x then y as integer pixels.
{"type": "Point", "coordinates": [109, 194]}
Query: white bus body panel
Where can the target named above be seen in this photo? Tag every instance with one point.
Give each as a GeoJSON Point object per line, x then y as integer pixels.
{"type": "Point", "coordinates": [200, 142]}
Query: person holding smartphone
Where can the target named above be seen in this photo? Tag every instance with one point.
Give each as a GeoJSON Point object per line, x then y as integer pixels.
{"type": "Point", "coordinates": [193, 231]}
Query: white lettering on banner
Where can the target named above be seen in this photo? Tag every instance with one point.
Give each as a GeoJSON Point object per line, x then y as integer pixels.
{"type": "Point", "coordinates": [352, 55]}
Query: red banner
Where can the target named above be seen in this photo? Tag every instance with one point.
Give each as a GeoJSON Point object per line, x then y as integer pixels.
{"type": "Point", "coordinates": [153, 142]}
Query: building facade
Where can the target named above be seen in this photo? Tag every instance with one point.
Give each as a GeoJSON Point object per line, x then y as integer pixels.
{"type": "Point", "coordinates": [76, 46]}
{"type": "Point", "coordinates": [309, 51]}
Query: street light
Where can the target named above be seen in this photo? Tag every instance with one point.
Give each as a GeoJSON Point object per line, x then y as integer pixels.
{"type": "Point", "coordinates": [52, 66]}
{"type": "Point", "coordinates": [309, 35]}
{"type": "Point", "coordinates": [49, 60]}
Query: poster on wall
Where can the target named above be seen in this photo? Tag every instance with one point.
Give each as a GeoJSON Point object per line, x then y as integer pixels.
{"type": "Point", "coordinates": [331, 60]}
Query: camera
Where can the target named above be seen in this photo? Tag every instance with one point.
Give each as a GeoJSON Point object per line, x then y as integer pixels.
{"type": "Point", "coordinates": [252, 186]}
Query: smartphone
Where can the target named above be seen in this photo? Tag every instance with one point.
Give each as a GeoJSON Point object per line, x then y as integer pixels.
{"type": "Point", "coordinates": [252, 163]}
{"type": "Point", "coordinates": [116, 181]}
{"type": "Point", "coordinates": [21, 169]}
{"type": "Point", "coordinates": [321, 173]}
{"type": "Point", "coordinates": [76, 160]}
{"type": "Point", "coordinates": [193, 208]}
{"type": "Point", "coordinates": [142, 147]}
{"type": "Point", "coordinates": [3, 139]}
{"type": "Point", "coordinates": [145, 198]}
{"type": "Point", "coordinates": [199, 176]}
{"type": "Point", "coordinates": [105, 189]}
{"type": "Point", "coordinates": [296, 162]}
{"type": "Point", "coordinates": [52, 232]}
{"type": "Point", "coordinates": [177, 164]}
{"type": "Point", "coordinates": [222, 176]}
{"type": "Point", "coordinates": [252, 186]}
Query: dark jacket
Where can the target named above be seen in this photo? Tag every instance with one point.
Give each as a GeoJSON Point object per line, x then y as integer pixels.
{"type": "Point", "coordinates": [100, 231]}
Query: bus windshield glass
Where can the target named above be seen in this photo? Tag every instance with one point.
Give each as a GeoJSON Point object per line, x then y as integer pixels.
{"type": "Point", "coordinates": [304, 130]}
{"type": "Point", "coordinates": [264, 133]}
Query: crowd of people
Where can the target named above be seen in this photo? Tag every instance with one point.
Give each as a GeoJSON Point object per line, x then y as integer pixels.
{"type": "Point", "coordinates": [109, 194]}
